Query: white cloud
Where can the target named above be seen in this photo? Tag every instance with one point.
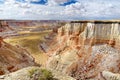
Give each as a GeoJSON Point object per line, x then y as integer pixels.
{"type": "Point", "coordinates": [86, 9]}
{"type": "Point", "coordinates": [99, 9]}
{"type": "Point", "coordinates": [52, 3]}
{"type": "Point", "coordinates": [24, 5]}
{"type": "Point", "coordinates": [33, 0]}
{"type": "Point", "coordinates": [61, 1]}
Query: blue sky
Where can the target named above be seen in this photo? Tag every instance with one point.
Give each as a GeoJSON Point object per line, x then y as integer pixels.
{"type": "Point", "coordinates": [59, 9]}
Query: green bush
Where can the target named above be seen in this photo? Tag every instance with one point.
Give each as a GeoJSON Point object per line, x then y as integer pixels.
{"type": "Point", "coordinates": [41, 74]}
{"type": "Point", "coordinates": [46, 75]}
{"type": "Point", "coordinates": [31, 72]}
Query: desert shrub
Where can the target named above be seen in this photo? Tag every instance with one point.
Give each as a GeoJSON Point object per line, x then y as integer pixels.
{"type": "Point", "coordinates": [46, 75]}
{"type": "Point", "coordinates": [31, 72]}
{"type": "Point", "coordinates": [40, 74]}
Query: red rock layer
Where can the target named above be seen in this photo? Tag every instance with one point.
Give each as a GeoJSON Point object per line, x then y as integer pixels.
{"type": "Point", "coordinates": [13, 58]}
{"type": "Point", "coordinates": [83, 50]}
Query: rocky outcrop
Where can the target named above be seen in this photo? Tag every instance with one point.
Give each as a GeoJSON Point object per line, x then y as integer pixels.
{"type": "Point", "coordinates": [98, 31]}
{"type": "Point", "coordinates": [34, 73]}
{"type": "Point", "coordinates": [4, 26]}
{"type": "Point", "coordinates": [13, 58]}
{"type": "Point", "coordinates": [110, 76]}
{"type": "Point", "coordinates": [83, 49]}
{"type": "Point", "coordinates": [1, 40]}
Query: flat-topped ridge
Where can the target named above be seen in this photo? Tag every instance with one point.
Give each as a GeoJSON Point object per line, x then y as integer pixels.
{"type": "Point", "coordinates": [96, 21]}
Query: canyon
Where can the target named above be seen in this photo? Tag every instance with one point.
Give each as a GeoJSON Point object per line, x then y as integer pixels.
{"type": "Point", "coordinates": [13, 58]}
{"type": "Point", "coordinates": [84, 49]}
{"type": "Point", "coordinates": [73, 50]}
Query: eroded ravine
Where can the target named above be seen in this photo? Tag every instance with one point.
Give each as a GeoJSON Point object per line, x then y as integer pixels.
{"type": "Point", "coordinates": [13, 58]}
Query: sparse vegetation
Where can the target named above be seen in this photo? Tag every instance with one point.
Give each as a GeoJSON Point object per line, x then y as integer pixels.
{"type": "Point", "coordinates": [30, 41]}
{"type": "Point", "coordinates": [31, 72]}
{"type": "Point", "coordinates": [47, 75]}
{"type": "Point", "coordinates": [41, 74]}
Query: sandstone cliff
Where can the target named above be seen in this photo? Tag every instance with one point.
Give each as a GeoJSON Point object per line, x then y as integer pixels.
{"type": "Point", "coordinates": [4, 26]}
{"type": "Point", "coordinates": [13, 58]}
{"type": "Point", "coordinates": [83, 49]}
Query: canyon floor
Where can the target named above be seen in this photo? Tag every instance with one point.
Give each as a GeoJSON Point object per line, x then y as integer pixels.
{"type": "Point", "coordinates": [30, 41]}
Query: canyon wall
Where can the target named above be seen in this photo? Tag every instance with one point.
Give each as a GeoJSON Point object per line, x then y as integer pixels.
{"type": "Point", "coordinates": [99, 31]}
{"type": "Point", "coordinates": [84, 49]}
{"type": "Point", "coordinates": [13, 58]}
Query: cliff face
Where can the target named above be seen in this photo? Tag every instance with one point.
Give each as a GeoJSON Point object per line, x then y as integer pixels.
{"type": "Point", "coordinates": [13, 58]}
{"type": "Point", "coordinates": [84, 49]}
{"type": "Point", "coordinates": [4, 26]}
{"type": "Point", "coordinates": [97, 31]}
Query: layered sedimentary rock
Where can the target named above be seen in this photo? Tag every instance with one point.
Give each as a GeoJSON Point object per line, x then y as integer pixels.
{"type": "Point", "coordinates": [13, 58]}
{"type": "Point", "coordinates": [83, 49]}
{"type": "Point", "coordinates": [110, 76]}
{"type": "Point", "coordinates": [4, 26]}
{"type": "Point", "coordinates": [99, 31]}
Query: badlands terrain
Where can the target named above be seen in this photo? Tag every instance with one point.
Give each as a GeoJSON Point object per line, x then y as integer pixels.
{"type": "Point", "coordinates": [60, 50]}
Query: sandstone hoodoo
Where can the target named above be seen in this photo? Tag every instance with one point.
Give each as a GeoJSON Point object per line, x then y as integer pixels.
{"type": "Point", "coordinates": [84, 49]}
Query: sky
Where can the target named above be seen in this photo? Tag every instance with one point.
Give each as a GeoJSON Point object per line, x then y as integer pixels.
{"type": "Point", "coordinates": [60, 9]}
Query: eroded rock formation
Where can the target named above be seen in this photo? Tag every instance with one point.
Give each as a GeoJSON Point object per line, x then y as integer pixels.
{"type": "Point", "coordinates": [13, 58]}
{"type": "Point", "coordinates": [4, 26]}
{"type": "Point", "coordinates": [110, 76]}
{"type": "Point", "coordinates": [83, 49]}
{"type": "Point", "coordinates": [34, 73]}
